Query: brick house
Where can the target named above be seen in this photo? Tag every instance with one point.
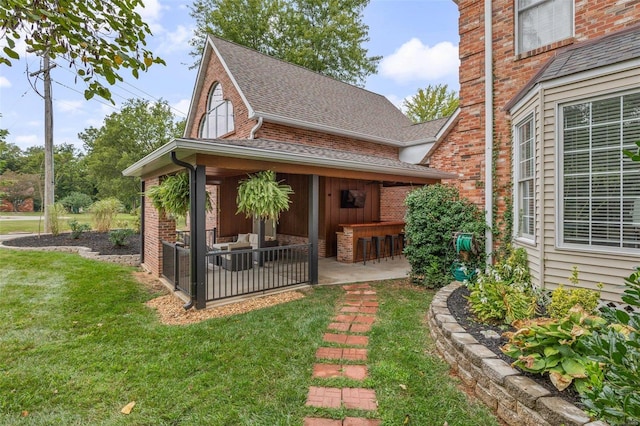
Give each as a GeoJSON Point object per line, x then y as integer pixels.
{"type": "Point", "coordinates": [251, 112]}
{"type": "Point", "coordinates": [558, 81]}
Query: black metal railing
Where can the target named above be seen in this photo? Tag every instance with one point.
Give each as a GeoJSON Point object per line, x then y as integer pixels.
{"type": "Point", "coordinates": [249, 271]}
{"type": "Point", "coordinates": [238, 272]}
{"type": "Point", "coordinates": [175, 266]}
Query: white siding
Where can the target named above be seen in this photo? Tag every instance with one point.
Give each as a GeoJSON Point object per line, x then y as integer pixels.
{"type": "Point", "coordinates": [533, 250]}
{"type": "Point", "coordinates": [610, 269]}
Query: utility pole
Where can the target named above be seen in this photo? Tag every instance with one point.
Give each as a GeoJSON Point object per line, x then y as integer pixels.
{"type": "Point", "coordinates": [49, 194]}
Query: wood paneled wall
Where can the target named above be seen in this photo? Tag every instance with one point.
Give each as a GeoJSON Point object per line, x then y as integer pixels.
{"type": "Point", "coordinates": [334, 215]}
{"type": "Point", "coordinates": [231, 223]}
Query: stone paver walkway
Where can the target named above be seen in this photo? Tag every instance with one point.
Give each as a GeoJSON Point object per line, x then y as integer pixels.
{"type": "Point", "coordinates": [346, 341]}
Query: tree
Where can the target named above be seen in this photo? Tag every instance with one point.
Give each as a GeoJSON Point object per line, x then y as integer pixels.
{"type": "Point", "coordinates": [322, 35]}
{"type": "Point", "coordinates": [16, 188]}
{"type": "Point", "coordinates": [124, 138]}
{"type": "Point", "coordinates": [431, 103]}
{"type": "Point", "coordinates": [97, 38]}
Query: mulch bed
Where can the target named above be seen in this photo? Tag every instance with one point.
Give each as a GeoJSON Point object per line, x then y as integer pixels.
{"type": "Point", "coordinates": [457, 304]}
{"type": "Point", "coordinates": [96, 241]}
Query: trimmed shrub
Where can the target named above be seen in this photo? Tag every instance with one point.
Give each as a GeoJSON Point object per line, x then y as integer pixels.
{"type": "Point", "coordinates": [434, 214]}
{"type": "Point", "coordinates": [562, 300]}
{"type": "Point", "coordinates": [78, 228]}
{"type": "Point", "coordinates": [76, 201]}
{"type": "Point", "coordinates": [118, 237]}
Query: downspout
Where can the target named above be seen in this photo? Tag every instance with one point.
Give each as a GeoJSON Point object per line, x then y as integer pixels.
{"type": "Point", "coordinates": [193, 233]}
{"type": "Point", "coordinates": [488, 124]}
{"type": "Point", "coordinates": [252, 134]}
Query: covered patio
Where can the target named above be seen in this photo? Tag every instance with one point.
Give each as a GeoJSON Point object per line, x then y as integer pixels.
{"type": "Point", "coordinates": [220, 164]}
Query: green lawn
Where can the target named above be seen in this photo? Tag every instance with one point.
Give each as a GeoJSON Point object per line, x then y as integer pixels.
{"type": "Point", "coordinates": [77, 344]}
{"type": "Point", "coordinates": [8, 226]}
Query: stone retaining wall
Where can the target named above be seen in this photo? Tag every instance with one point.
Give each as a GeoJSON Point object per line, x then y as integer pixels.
{"type": "Point", "coordinates": [126, 260]}
{"type": "Point", "coordinates": [515, 399]}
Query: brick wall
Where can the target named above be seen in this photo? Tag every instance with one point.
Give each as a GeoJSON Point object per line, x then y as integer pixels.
{"type": "Point", "coordinates": [156, 229]}
{"type": "Point", "coordinates": [463, 150]}
{"type": "Point", "coordinates": [392, 207]}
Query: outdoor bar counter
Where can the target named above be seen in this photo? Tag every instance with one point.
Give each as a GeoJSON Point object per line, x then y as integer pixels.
{"type": "Point", "coordinates": [348, 250]}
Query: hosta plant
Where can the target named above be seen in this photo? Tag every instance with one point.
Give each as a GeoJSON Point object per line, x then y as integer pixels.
{"type": "Point", "coordinates": [546, 345]}
{"type": "Point", "coordinates": [504, 293]}
{"type": "Point", "coordinates": [613, 391]}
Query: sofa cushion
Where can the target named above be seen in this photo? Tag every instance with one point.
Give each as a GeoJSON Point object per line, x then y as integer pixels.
{"type": "Point", "coordinates": [239, 245]}
{"type": "Point", "coordinates": [253, 239]}
{"type": "Point", "coordinates": [243, 238]}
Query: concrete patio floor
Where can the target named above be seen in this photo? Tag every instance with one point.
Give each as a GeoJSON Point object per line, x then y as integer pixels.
{"type": "Point", "coordinates": [331, 271]}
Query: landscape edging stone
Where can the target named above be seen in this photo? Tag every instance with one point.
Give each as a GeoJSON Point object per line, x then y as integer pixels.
{"type": "Point", "coordinates": [120, 259]}
{"type": "Point", "coordinates": [494, 382]}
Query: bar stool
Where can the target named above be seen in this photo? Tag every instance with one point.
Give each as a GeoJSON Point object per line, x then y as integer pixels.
{"type": "Point", "coordinates": [393, 239]}
{"type": "Point", "coordinates": [380, 245]}
{"type": "Point", "coordinates": [363, 242]}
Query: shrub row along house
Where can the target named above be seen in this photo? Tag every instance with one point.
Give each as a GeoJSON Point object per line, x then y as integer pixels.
{"type": "Point", "coordinates": [549, 98]}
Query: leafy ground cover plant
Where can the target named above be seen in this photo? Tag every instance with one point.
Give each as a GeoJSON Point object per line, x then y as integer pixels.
{"type": "Point", "coordinates": [562, 300]}
{"type": "Point", "coordinates": [504, 293]}
{"type": "Point", "coordinates": [78, 228]}
{"type": "Point", "coordinates": [434, 214]}
{"type": "Point", "coordinates": [547, 345]}
{"type": "Point", "coordinates": [119, 236]}
{"type": "Point", "coordinates": [612, 393]}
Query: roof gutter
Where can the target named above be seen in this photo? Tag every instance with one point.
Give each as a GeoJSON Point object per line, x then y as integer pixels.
{"type": "Point", "coordinates": [194, 231]}
{"type": "Point", "coordinates": [488, 124]}
{"type": "Point", "coordinates": [252, 134]}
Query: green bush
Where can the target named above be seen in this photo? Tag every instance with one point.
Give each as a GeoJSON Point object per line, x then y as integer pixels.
{"type": "Point", "coordinates": [104, 212]}
{"type": "Point", "coordinates": [434, 214]}
{"type": "Point", "coordinates": [76, 201]}
{"type": "Point", "coordinates": [118, 237]}
{"type": "Point", "coordinates": [546, 345]}
{"type": "Point", "coordinates": [78, 228]}
{"type": "Point", "coordinates": [562, 300]}
{"type": "Point", "coordinates": [612, 394]}
{"type": "Point", "coordinates": [504, 293]}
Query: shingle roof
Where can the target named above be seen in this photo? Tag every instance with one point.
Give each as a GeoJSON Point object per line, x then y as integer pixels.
{"type": "Point", "coordinates": [281, 90]}
{"type": "Point", "coordinates": [294, 149]}
{"type": "Point", "coordinates": [610, 49]}
{"type": "Point", "coordinates": [284, 152]}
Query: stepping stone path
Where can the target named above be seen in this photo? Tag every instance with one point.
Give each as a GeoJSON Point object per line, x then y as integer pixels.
{"type": "Point", "coordinates": [347, 329]}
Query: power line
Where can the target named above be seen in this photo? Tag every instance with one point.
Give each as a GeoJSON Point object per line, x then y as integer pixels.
{"type": "Point", "coordinates": [147, 96]}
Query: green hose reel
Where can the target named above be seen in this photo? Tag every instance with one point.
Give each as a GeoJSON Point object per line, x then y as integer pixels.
{"type": "Point", "coordinates": [465, 245]}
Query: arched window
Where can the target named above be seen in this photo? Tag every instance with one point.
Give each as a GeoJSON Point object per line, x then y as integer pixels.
{"type": "Point", "coordinates": [218, 120]}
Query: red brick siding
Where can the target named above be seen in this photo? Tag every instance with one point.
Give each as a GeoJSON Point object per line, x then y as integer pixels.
{"type": "Point", "coordinates": [156, 229]}
{"type": "Point", "coordinates": [392, 207]}
{"type": "Point", "coordinates": [463, 150]}
{"type": "Point", "coordinates": [313, 138]}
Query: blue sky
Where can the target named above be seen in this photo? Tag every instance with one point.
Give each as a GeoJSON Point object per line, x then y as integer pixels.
{"type": "Point", "coordinates": [418, 40]}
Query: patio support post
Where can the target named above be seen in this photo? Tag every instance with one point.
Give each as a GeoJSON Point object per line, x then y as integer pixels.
{"type": "Point", "coordinates": [199, 233]}
{"type": "Point", "coordinates": [314, 206]}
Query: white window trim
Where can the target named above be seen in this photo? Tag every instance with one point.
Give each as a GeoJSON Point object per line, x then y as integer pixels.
{"type": "Point", "coordinates": [529, 239]}
{"type": "Point", "coordinates": [211, 110]}
{"type": "Point", "coordinates": [516, 37]}
{"type": "Point", "coordinates": [559, 180]}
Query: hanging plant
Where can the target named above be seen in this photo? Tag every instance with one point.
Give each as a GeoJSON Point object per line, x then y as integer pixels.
{"type": "Point", "coordinates": [172, 198]}
{"type": "Point", "coordinates": [262, 196]}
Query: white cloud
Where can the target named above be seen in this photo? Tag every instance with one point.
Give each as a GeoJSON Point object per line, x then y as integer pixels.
{"type": "Point", "coordinates": [151, 14]}
{"type": "Point", "coordinates": [181, 108]}
{"type": "Point", "coordinates": [4, 82]}
{"type": "Point", "coordinates": [176, 41]}
{"type": "Point", "coordinates": [25, 141]}
{"type": "Point", "coordinates": [415, 61]}
{"type": "Point", "coordinates": [68, 106]}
